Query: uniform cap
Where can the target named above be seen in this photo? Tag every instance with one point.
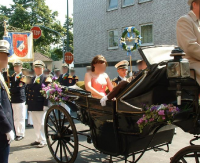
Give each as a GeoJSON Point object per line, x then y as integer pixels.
{"type": "Point", "coordinates": [38, 63]}
{"type": "Point", "coordinates": [122, 65]}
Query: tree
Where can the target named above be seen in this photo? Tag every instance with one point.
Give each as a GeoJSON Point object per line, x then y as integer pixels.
{"type": "Point", "coordinates": [24, 14]}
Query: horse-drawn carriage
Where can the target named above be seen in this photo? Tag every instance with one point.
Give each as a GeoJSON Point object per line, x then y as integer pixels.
{"type": "Point", "coordinates": [113, 129]}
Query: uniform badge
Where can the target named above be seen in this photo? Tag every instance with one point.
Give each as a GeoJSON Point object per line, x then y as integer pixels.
{"type": "Point", "coordinates": [70, 80]}
{"type": "Point", "coordinates": [20, 84]}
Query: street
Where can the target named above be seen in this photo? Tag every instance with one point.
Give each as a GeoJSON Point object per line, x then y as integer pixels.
{"type": "Point", "coordinates": [22, 152]}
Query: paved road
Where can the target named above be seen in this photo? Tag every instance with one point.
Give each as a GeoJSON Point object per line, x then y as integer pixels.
{"type": "Point", "coordinates": [22, 152]}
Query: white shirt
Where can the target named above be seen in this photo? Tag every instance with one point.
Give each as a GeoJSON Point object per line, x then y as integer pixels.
{"type": "Point", "coordinates": [36, 77]}
{"type": "Point", "coordinates": [17, 75]}
{"type": "Point", "coordinates": [123, 79]}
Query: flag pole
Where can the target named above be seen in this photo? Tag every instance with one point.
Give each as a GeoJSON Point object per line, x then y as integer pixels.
{"type": "Point", "coordinates": [131, 73]}
{"type": "Point", "coordinates": [5, 29]}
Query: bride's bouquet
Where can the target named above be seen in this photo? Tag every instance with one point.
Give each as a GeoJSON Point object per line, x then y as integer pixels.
{"type": "Point", "coordinates": [54, 93]}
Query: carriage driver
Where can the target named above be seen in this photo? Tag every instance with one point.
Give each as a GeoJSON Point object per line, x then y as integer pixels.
{"type": "Point", "coordinates": [188, 35]}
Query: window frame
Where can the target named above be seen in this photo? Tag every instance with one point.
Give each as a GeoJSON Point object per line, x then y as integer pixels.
{"type": "Point", "coordinates": [111, 9]}
{"type": "Point", "coordinates": [143, 1]}
{"type": "Point", "coordinates": [147, 44]}
{"type": "Point", "coordinates": [123, 6]}
{"type": "Point", "coordinates": [115, 47]}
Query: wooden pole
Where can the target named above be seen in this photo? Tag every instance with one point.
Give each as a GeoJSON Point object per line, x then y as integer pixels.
{"type": "Point", "coordinates": [5, 29]}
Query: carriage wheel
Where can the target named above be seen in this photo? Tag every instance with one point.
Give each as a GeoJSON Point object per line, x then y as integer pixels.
{"type": "Point", "coordinates": [187, 155]}
{"type": "Point", "coordinates": [61, 135]}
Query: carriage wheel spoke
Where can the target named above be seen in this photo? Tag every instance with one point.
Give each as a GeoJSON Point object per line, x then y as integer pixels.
{"type": "Point", "coordinates": [68, 149]}
{"type": "Point", "coordinates": [51, 128]}
{"type": "Point", "coordinates": [53, 143]}
{"type": "Point", "coordinates": [57, 148]}
{"type": "Point", "coordinates": [59, 119]}
{"type": "Point", "coordinates": [63, 122]}
{"type": "Point", "coordinates": [66, 129]}
{"type": "Point", "coordinates": [60, 150]}
{"type": "Point", "coordinates": [68, 136]}
{"type": "Point", "coordinates": [196, 157]}
{"type": "Point", "coordinates": [55, 119]}
{"type": "Point", "coordinates": [183, 160]}
{"type": "Point", "coordinates": [64, 150]}
{"type": "Point", "coordinates": [70, 144]}
{"type": "Point", "coordinates": [53, 123]}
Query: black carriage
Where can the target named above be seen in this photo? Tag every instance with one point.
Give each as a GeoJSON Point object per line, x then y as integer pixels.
{"type": "Point", "coordinates": [113, 129]}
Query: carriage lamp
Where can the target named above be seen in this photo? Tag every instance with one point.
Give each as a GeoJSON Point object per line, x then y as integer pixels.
{"type": "Point", "coordinates": [178, 67]}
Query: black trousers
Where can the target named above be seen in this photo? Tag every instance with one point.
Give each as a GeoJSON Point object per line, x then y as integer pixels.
{"type": "Point", "coordinates": [4, 151]}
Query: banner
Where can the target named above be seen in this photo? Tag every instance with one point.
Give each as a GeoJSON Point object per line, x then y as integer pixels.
{"type": "Point", "coordinates": [21, 46]}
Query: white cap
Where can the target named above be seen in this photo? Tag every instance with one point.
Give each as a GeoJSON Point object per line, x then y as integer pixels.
{"type": "Point", "coordinates": [38, 63]}
{"type": "Point", "coordinates": [122, 64]}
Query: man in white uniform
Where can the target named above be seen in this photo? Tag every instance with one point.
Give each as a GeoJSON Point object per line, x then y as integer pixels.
{"type": "Point", "coordinates": [18, 98]}
{"type": "Point", "coordinates": [37, 104]}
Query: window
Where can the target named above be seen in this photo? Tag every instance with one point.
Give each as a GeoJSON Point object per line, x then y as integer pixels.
{"type": "Point", "coordinates": [147, 34]}
{"type": "Point", "coordinates": [127, 2]}
{"type": "Point", "coordinates": [113, 39]}
{"type": "Point", "coordinates": [112, 4]}
{"type": "Point", "coordinates": [142, 1]}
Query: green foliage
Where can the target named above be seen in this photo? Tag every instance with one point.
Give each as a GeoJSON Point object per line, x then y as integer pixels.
{"type": "Point", "coordinates": [24, 14]}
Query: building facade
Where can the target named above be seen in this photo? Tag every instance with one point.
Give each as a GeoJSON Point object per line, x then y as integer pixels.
{"type": "Point", "coordinates": [98, 25]}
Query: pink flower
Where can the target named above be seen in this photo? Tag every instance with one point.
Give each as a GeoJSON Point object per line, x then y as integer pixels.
{"type": "Point", "coordinates": [161, 112]}
{"type": "Point", "coordinates": [151, 120]}
{"type": "Point", "coordinates": [163, 117]}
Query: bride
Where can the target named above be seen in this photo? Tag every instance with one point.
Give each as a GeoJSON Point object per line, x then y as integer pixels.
{"type": "Point", "coordinates": [96, 81]}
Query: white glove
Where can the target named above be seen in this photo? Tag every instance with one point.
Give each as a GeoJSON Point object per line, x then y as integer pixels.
{"type": "Point", "coordinates": [10, 136]}
{"type": "Point", "coordinates": [103, 101]}
{"type": "Point", "coordinates": [45, 108]}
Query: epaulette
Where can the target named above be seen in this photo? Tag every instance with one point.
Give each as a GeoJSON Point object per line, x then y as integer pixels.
{"type": "Point", "coordinates": [48, 80]}
{"type": "Point", "coordinates": [76, 77]}
{"type": "Point", "coordinates": [69, 76]}
{"type": "Point", "coordinates": [23, 79]}
{"type": "Point", "coordinates": [114, 84]}
{"type": "Point", "coordinates": [114, 79]}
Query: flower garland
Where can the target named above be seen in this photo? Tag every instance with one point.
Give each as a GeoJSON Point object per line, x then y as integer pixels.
{"type": "Point", "coordinates": [54, 93]}
{"type": "Point", "coordinates": [135, 36]}
{"type": "Point", "coordinates": [157, 113]}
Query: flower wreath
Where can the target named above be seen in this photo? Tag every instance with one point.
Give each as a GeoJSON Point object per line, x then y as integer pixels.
{"type": "Point", "coordinates": [132, 34]}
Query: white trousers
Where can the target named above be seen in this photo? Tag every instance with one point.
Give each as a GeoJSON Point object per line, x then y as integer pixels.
{"type": "Point", "coordinates": [19, 114]}
{"type": "Point", "coordinates": [38, 124]}
{"type": "Point", "coordinates": [28, 116]}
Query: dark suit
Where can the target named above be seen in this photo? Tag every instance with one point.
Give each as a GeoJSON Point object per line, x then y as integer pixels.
{"type": "Point", "coordinates": [6, 116]}
{"type": "Point", "coordinates": [117, 80]}
{"type": "Point", "coordinates": [74, 79]}
{"type": "Point", "coordinates": [6, 123]}
{"type": "Point", "coordinates": [64, 81]}
{"type": "Point", "coordinates": [17, 90]}
{"type": "Point", "coordinates": [35, 100]}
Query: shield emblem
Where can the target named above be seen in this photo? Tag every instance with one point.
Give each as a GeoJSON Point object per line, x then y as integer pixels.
{"type": "Point", "coordinates": [20, 44]}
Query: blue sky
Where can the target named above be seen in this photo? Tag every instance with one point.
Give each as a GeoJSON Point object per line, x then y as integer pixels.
{"type": "Point", "coordinates": [58, 5]}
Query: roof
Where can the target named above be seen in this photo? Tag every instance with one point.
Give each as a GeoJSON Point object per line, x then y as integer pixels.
{"type": "Point", "coordinates": [39, 56]}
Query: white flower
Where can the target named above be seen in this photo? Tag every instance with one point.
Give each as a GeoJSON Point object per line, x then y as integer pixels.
{"type": "Point", "coordinates": [129, 29]}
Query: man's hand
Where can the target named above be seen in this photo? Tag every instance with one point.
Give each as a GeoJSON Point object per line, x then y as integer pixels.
{"type": "Point", "coordinates": [10, 136]}
{"type": "Point", "coordinates": [45, 108]}
{"type": "Point", "coordinates": [103, 101]}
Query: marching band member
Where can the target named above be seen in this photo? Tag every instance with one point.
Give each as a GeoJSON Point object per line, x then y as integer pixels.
{"type": "Point", "coordinates": [122, 69]}
{"type": "Point", "coordinates": [6, 119]}
{"type": "Point", "coordinates": [18, 98]}
{"type": "Point", "coordinates": [64, 77]}
{"type": "Point", "coordinates": [37, 104]}
{"type": "Point", "coordinates": [188, 36]}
